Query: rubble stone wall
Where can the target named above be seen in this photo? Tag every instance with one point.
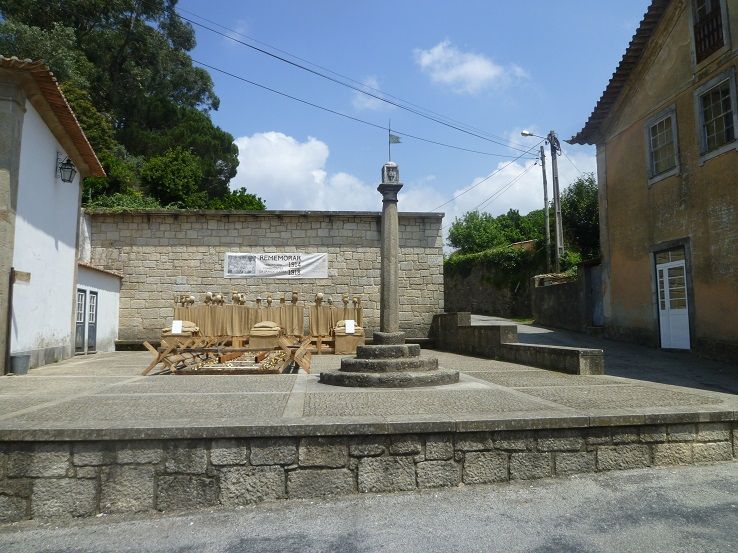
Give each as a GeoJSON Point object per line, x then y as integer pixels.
{"type": "Point", "coordinates": [62, 479]}
{"type": "Point", "coordinates": [164, 253]}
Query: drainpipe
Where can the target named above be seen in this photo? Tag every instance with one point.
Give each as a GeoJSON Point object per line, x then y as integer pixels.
{"type": "Point", "coordinates": [11, 281]}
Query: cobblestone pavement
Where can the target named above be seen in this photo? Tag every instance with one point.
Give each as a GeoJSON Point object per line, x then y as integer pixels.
{"type": "Point", "coordinates": [634, 361]}
{"type": "Point", "coordinates": [106, 391]}
{"type": "Point", "coordinates": [681, 509]}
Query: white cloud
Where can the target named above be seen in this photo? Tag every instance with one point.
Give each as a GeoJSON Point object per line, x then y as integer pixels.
{"type": "Point", "coordinates": [524, 194]}
{"type": "Point", "coordinates": [289, 174]}
{"type": "Point", "coordinates": [363, 102]}
{"type": "Point", "coordinates": [464, 72]}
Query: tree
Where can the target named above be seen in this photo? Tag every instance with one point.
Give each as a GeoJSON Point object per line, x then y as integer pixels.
{"type": "Point", "coordinates": [476, 232]}
{"type": "Point", "coordinates": [127, 62]}
{"type": "Point", "coordinates": [581, 217]}
{"type": "Point", "coordinates": [238, 200]}
{"type": "Point", "coordinates": [56, 45]}
{"type": "Point", "coordinates": [173, 178]}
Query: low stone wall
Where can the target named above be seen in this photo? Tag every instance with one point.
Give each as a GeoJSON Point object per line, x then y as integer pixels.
{"type": "Point", "coordinates": [81, 479]}
{"type": "Point", "coordinates": [454, 332]}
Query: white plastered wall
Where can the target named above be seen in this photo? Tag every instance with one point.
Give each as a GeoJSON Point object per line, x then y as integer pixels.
{"type": "Point", "coordinates": [45, 247]}
{"type": "Point", "coordinates": [107, 287]}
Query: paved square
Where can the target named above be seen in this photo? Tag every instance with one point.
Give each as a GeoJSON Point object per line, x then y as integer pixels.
{"type": "Point", "coordinates": [105, 393]}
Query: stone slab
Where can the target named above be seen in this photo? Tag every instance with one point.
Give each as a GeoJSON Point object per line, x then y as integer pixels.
{"type": "Point", "coordinates": [619, 397]}
{"type": "Point", "coordinates": [528, 379]}
{"type": "Point", "coordinates": [55, 385]}
{"type": "Point", "coordinates": [412, 402]}
{"type": "Point", "coordinates": [167, 409]}
{"type": "Point", "coordinates": [195, 384]}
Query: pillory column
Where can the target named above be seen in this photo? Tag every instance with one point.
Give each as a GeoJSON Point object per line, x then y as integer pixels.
{"type": "Point", "coordinates": [389, 362]}
{"type": "Point", "coordinates": [389, 297]}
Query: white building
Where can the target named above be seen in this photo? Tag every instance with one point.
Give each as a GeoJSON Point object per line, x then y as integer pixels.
{"type": "Point", "coordinates": [40, 143]}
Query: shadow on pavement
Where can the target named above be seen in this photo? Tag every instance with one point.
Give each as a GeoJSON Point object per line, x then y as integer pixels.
{"type": "Point", "coordinates": [634, 361]}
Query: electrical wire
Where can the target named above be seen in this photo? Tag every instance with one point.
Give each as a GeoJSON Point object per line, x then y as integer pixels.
{"type": "Point", "coordinates": [492, 174]}
{"type": "Point", "coordinates": [345, 115]}
{"type": "Point", "coordinates": [496, 194]}
{"type": "Point", "coordinates": [348, 85]}
{"type": "Point", "coordinates": [570, 161]}
{"type": "Point", "coordinates": [328, 70]}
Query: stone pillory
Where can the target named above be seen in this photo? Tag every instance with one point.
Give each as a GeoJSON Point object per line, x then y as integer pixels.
{"type": "Point", "coordinates": [389, 363]}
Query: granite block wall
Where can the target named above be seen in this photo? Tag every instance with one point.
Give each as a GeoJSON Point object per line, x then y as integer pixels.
{"type": "Point", "coordinates": [82, 479]}
{"type": "Point", "coordinates": [164, 253]}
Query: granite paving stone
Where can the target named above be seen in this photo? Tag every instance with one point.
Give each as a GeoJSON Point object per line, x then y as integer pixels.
{"type": "Point", "coordinates": [136, 409]}
{"type": "Point", "coordinates": [54, 385]}
{"type": "Point", "coordinates": [603, 397]}
{"type": "Point", "coordinates": [408, 402]}
{"type": "Point", "coordinates": [9, 405]}
{"type": "Point", "coordinates": [527, 379]}
{"type": "Point", "coordinates": [169, 384]}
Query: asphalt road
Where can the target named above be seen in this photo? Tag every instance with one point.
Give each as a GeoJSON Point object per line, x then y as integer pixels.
{"type": "Point", "coordinates": [690, 509]}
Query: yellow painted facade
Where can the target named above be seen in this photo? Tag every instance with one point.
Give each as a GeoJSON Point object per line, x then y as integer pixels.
{"type": "Point", "coordinates": [696, 208]}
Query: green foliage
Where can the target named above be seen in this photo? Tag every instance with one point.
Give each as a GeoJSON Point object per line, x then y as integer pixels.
{"type": "Point", "coordinates": [173, 178]}
{"type": "Point", "coordinates": [125, 67]}
{"type": "Point", "coordinates": [98, 126]}
{"type": "Point", "coordinates": [55, 44]}
{"type": "Point", "coordinates": [476, 232]}
{"type": "Point", "coordinates": [238, 200]}
{"type": "Point", "coordinates": [119, 202]}
{"type": "Point", "coordinates": [580, 216]}
{"type": "Point", "coordinates": [570, 260]}
{"type": "Point", "coordinates": [510, 265]}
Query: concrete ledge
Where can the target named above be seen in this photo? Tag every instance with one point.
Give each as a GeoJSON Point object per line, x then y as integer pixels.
{"type": "Point", "coordinates": [557, 358]}
{"type": "Point", "coordinates": [454, 332]}
{"type": "Point", "coordinates": [81, 478]}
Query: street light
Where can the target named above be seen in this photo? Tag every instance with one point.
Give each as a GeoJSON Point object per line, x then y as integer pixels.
{"type": "Point", "coordinates": [553, 142]}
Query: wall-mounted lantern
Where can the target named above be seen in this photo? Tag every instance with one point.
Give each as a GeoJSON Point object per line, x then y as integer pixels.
{"type": "Point", "coordinates": [65, 169]}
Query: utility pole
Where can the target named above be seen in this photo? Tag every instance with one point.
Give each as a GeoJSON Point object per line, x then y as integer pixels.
{"type": "Point", "coordinates": [555, 148]}
{"type": "Point", "coordinates": [545, 210]}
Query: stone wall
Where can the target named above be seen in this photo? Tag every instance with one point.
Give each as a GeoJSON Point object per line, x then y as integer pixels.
{"type": "Point", "coordinates": [164, 253]}
{"type": "Point", "coordinates": [475, 291]}
{"type": "Point", "coordinates": [574, 304]}
{"type": "Point", "coordinates": [81, 479]}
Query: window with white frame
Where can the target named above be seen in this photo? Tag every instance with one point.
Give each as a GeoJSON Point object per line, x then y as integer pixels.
{"type": "Point", "coordinates": [707, 18]}
{"type": "Point", "coordinates": [662, 144]}
{"type": "Point", "coordinates": [717, 113]}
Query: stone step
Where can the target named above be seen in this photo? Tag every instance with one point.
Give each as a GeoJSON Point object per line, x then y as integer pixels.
{"type": "Point", "coordinates": [390, 380]}
{"type": "Point", "coordinates": [400, 364]}
{"type": "Point", "coordinates": [388, 352]}
{"type": "Point", "coordinates": [388, 338]}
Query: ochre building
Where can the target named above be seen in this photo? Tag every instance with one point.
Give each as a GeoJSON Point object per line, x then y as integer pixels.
{"type": "Point", "coordinates": [665, 131]}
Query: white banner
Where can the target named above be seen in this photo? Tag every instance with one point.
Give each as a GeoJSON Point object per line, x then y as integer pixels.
{"type": "Point", "coordinates": [276, 265]}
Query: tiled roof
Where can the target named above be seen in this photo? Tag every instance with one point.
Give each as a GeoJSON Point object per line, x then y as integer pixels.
{"type": "Point", "coordinates": [53, 95]}
{"type": "Point", "coordinates": [588, 135]}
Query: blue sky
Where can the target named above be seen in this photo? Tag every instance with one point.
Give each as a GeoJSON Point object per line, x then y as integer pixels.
{"type": "Point", "coordinates": [497, 66]}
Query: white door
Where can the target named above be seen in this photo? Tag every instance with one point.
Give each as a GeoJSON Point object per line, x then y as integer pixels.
{"type": "Point", "coordinates": [673, 304]}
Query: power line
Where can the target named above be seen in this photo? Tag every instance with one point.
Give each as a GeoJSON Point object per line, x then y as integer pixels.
{"type": "Point", "coordinates": [570, 161]}
{"type": "Point", "coordinates": [328, 70]}
{"type": "Point", "coordinates": [492, 174]}
{"type": "Point", "coordinates": [352, 87]}
{"type": "Point", "coordinates": [345, 115]}
{"type": "Point", "coordinates": [498, 192]}
{"type": "Point", "coordinates": [502, 190]}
